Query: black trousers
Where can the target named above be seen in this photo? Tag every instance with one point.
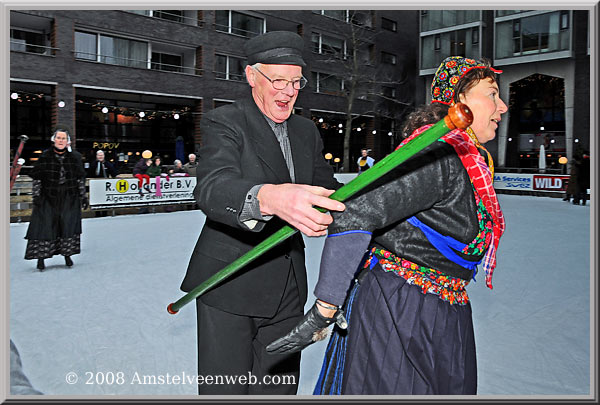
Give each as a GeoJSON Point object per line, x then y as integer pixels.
{"type": "Point", "coordinates": [232, 359]}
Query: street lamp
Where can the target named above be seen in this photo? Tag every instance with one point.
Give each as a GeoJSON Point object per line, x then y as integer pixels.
{"type": "Point", "coordinates": [337, 162]}
{"type": "Point", "coordinates": [563, 161]}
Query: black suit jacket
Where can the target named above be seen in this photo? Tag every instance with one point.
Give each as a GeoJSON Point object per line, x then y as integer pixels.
{"type": "Point", "coordinates": [240, 151]}
{"type": "Point", "coordinates": [111, 171]}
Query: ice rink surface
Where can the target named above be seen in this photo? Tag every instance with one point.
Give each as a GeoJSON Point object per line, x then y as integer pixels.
{"type": "Point", "coordinates": [105, 319]}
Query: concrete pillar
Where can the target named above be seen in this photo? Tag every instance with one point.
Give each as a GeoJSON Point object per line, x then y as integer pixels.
{"type": "Point", "coordinates": [502, 132]}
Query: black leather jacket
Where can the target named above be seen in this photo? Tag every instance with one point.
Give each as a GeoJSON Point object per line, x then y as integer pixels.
{"type": "Point", "coordinates": [435, 187]}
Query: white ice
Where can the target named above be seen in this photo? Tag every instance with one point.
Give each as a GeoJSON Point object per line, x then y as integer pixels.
{"type": "Point", "coordinates": [107, 314]}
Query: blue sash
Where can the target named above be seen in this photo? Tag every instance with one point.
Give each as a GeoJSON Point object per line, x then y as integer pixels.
{"type": "Point", "coordinates": [446, 245]}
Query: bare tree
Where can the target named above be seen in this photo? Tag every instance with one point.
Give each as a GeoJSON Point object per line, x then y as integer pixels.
{"type": "Point", "coordinates": [362, 77]}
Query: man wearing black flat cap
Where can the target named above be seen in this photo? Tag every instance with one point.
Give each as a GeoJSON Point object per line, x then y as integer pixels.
{"type": "Point", "coordinates": [259, 167]}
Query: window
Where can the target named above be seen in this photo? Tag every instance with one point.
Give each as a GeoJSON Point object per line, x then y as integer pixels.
{"type": "Point", "coordinates": [123, 125]}
{"type": "Point", "coordinates": [475, 35]}
{"type": "Point", "coordinates": [365, 54]}
{"type": "Point", "coordinates": [437, 43]}
{"type": "Point", "coordinates": [111, 50]}
{"type": "Point", "coordinates": [389, 25]}
{"type": "Point", "coordinates": [190, 17]}
{"type": "Point", "coordinates": [436, 47]}
{"type": "Point", "coordinates": [502, 13]}
{"type": "Point", "coordinates": [532, 35]}
{"type": "Point", "coordinates": [236, 23]}
{"type": "Point", "coordinates": [564, 20]}
{"type": "Point", "coordinates": [516, 35]}
{"type": "Point", "coordinates": [388, 58]}
{"type": "Point", "coordinates": [86, 46]}
{"type": "Point", "coordinates": [436, 19]}
{"type": "Point", "coordinates": [388, 92]}
{"type": "Point", "coordinates": [458, 42]}
{"type": "Point", "coordinates": [171, 15]}
{"type": "Point", "coordinates": [341, 15]}
{"type": "Point", "coordinates": [147, 13]}
{"type": "Point", "coordinates": [166, 62]}
{"type": "Point", "coordinates": [229, 67]}
{"type": "Point", "coordinates": [325, 44]}
{"type": "Point", "coordinates": [28, 41]}
{"type": "Point", "coordinates": [327, 83]}
{"type": "Point", "coordinates": [123, 52]}
{"type": "Point", "coordinates": [363, 18]}
{"type": "Point", "coordinates": [139, 54]}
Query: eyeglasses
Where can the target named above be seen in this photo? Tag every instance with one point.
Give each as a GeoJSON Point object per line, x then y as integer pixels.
{"type": "Point", "coordinates": [280, 84]}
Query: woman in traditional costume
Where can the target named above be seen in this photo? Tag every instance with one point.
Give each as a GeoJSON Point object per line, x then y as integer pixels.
{"type": "Point", "coordinates": [58, 192]}
{"type": "Point", "coordinates": [425, 227]}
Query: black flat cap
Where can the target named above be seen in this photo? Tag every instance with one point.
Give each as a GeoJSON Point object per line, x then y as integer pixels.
{"type": "Point", "coordinates": [275, 48]}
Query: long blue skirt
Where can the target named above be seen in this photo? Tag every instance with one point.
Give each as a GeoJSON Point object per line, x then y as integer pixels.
{"type": "Point", "coordinates": [400, 342]}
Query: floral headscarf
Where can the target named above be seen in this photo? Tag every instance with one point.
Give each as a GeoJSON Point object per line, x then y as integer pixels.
{"type": "Point", "coordinates": [451, 70]}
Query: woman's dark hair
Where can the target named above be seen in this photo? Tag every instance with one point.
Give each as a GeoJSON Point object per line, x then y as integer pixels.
{"type": "Point", "coordinates": [423, 115]}
{"type": "Point", "coordinates": [432, 113]}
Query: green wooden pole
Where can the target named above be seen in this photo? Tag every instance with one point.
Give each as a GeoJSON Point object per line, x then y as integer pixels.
{"type": "Point", "coordinates": [459, 116]}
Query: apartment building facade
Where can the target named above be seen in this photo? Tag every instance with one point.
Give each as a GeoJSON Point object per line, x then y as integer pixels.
{"type": "Point", "coordinates": [545, 58]}
{"type": "Point", "coordinates": [131, 80]}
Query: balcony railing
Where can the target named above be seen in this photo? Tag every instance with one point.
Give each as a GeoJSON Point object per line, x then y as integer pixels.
{"type": "Point", "coordinates": [136, 63]}
{"type": "Point", "coordinates": [165, 15]}
{"type": "Point", "coordinates": [229, 29]}
{"type": "Point", "coordinates": [20, 46]}
{"type": "Point", "coordinates": [236, 77]}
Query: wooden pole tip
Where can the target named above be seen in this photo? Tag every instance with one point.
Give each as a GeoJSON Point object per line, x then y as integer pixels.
{"type": "Point", "coordinates": [459, 116]}
{"type": "Point", "coordinates": [170, 309]}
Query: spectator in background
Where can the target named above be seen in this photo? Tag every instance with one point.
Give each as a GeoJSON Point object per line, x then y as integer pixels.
{"type": "Point", "coordinates": [583, 179]}
{"type": "Point", "coordinates": [102, 168]}
{"type": "Point", "coordinates": [155, 170]}
{"type": "Point", "coordinates": [190, 167]}
{"type": "Point", "coordinates": [572, 189]}
{"type": "Point", "coordinates": [364, 161]}
{"type": "Point", "coordinates": [139, 170]}
{"type": "Point", "coordinates": [177, 168]}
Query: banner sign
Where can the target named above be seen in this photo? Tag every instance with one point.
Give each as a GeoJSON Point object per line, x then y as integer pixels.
{"type": "Point", "coordinates": [125, 192]}
{"type": "Point", "coordinates": [531, 182]}
{"type": "Point", "coordinates": [512, 181]}
{"type": "Point", "coordinates": [550, 183]}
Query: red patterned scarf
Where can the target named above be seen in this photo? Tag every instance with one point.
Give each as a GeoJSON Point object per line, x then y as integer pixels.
{"type": "Point", "coordinates": [482, 180]}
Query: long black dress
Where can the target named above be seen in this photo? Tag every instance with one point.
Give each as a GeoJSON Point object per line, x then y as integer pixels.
{"type": "Point", "coordinates": [58, 187]}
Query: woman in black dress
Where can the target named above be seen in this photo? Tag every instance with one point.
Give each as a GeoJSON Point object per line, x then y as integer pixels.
{"type": "Point", "coordinates": [58, 194]}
